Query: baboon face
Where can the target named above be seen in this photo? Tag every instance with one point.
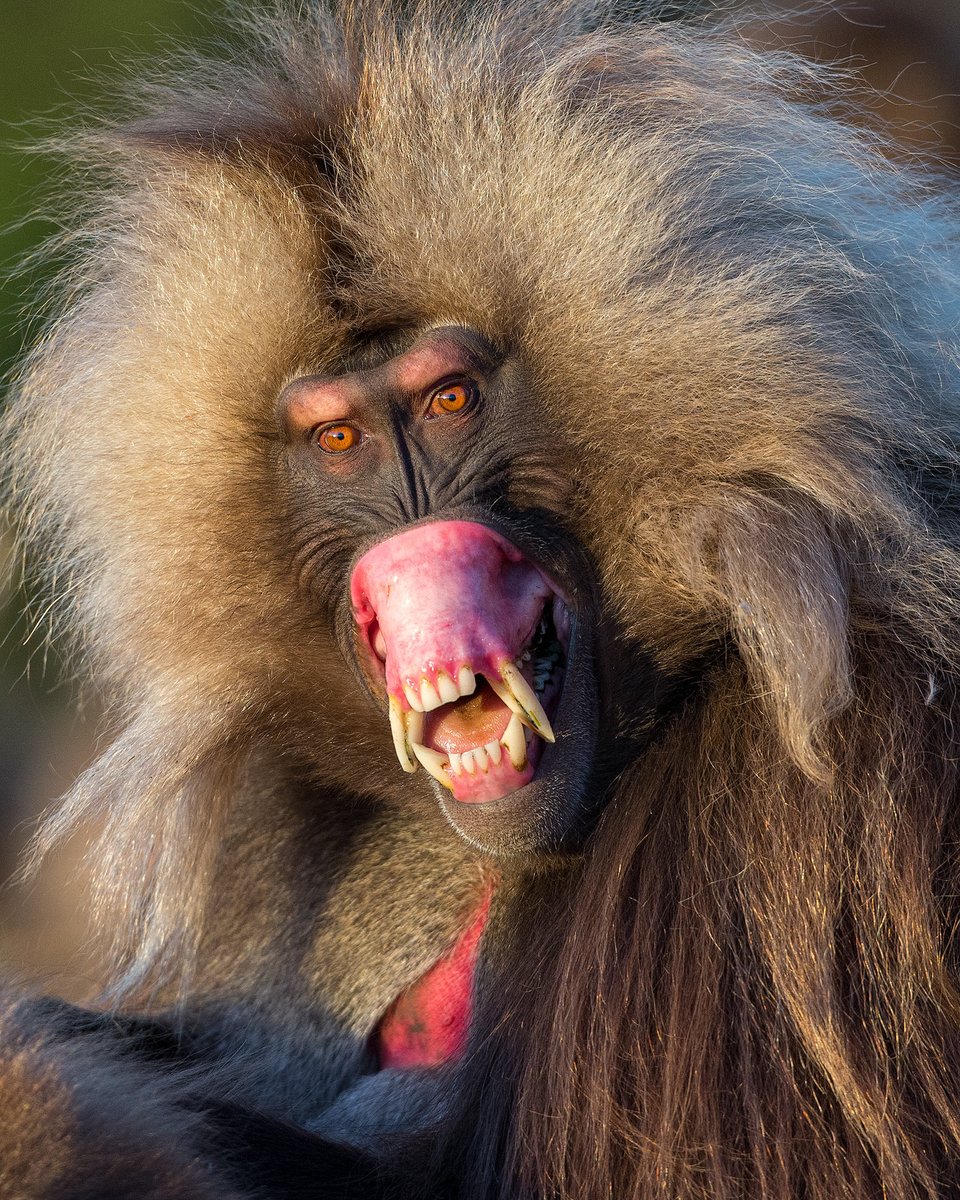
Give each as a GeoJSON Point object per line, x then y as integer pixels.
{"type": "Point", "coordinates": [461, 599]}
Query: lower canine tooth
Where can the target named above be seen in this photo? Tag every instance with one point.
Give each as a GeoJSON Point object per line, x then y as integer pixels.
{"type": "Point", "coordinates": [401, 731]}
{"type": "Point", "coordinates": [514, 743]}
{"type": "Point", "coordinates": [433, 762]}
{"type": "Point", "coordinates": [495, 750]}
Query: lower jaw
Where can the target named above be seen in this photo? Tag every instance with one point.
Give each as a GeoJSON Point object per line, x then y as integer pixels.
{"type": "Point", "coordinates": [532, 819]}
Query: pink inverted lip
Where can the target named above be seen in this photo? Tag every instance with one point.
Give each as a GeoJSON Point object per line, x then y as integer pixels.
{"type": "Point", "coordinates": [443, 596]}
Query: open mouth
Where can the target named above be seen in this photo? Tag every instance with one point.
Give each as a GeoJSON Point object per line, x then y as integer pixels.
{"type": "Point", "coordinates": [471, 641]}
{"type": "Point", "coordinates": [488, 742]}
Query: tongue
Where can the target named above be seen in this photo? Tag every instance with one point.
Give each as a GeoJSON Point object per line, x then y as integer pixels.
{"type": "Point", "coordinates": [473, 722]}
{"type": "Point", "coordinates": [441, 597]}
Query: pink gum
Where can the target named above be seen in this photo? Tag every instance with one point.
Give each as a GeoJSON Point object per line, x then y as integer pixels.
{"type": "Point", "coordinates": [443, 596]}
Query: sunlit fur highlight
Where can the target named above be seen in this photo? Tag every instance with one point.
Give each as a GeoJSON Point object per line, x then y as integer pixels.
{"type": "Point", "coordinates": [745, 320]}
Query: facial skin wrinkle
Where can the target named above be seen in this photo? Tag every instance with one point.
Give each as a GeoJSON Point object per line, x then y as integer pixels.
{"type": "Point", "coordinates": [316, 553]}
{"type": "Point", "coordinates": [449, 484]}
{"type": "Point", "coordinates": [414, 469]}
{"type": "Point", "coordinates": [312, 537]}
{"type": "Point", "coordinates": [313, 544]}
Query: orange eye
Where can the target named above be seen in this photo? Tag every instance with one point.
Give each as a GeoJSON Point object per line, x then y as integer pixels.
{"type": "Point", "coordinates": [452, 399]}
{"type": "Point", "coordinates": [335, 439]}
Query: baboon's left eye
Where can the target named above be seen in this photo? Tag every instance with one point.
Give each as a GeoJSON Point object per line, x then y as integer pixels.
{"type": "Point", "coordinates": [336, 439]}
{"type": "Point", "coordinates": [452, 398]}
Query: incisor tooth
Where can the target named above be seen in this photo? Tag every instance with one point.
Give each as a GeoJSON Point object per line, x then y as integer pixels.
{"type": "Point", "coordinates": [455, 764]}
{"type": "Point", "coordinates": [412, 698]}
{"type": "Point", "coordinates": [447, 688]}
{"type": "Point", "coordinates": [514, 743]}
{"type": "Point", "coordinates": [468, 762]}
{"type": "Point", "coordinates": [495, 750]}
{"type": "Point", "coordinates": [481, 758]}
{"type": "Point", "coordinates": [466, 681]}
{"type": "Point", "coordinates": [429, 696]}
{"type": "Point", "coordinates": [433, 762]}
{"type": "Point", "coordinates": [521, 699]}
{"type": "Point", "coordinates": [401, 736]}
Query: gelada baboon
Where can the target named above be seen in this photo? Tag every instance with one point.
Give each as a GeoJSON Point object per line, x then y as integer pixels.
{"type": "Point", "coordinates": [561, 406]}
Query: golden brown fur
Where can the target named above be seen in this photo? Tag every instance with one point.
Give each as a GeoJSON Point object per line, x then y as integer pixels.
{"type": "Point", "coordinates": [745, 323]}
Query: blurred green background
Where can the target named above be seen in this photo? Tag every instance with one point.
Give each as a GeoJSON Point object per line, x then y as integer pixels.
{"type": "Point", "coordinates": [56, 56]}
{"type": "Point", "coordinates": [60, 56]}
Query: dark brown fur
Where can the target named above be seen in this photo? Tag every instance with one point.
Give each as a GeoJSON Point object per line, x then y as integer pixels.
{"type": "Point", "coordinates": [741, 323]}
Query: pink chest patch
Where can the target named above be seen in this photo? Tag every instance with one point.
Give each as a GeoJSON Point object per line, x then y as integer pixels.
{"type": "Point", "coordinates": [428, 1023]}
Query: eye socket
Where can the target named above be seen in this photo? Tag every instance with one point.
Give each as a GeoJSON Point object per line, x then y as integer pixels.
{"type": "Point", "coordinates": [453, 398]}
{"type": "Point", "coordinates": [337, 439]}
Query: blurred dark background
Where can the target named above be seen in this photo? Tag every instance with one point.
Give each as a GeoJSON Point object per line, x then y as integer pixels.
{"type": "Point", "coordinates": [60, 56]}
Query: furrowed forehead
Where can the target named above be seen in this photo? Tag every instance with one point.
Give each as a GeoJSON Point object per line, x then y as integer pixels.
{"type": "Point", "coordinates": [435, 355]}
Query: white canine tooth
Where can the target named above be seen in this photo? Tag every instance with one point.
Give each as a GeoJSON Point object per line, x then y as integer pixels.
{"type": "Point", "coordinates": [412, 698]}
{"type": "Point", "coordinates": [466, 681]}
{"type": "Point", "coordinates": [481, 758]}
{"type": "Point", "coordinates": [429, 696]}
{"type": "Point", "coordinates": [456, 766]}
{"type": "Point", "coordinates": [495, 750]}
{"type": "Point", "coordinates": [415, 721]}
{"type": "Point", "coordinates": [514, 743]}
{"type": "Point", "coordinates": [401, 736]}
{"type": "Point", "coordinates": [468, 761]}
{"type": "Point", "coordinates": [432, 761]}
{"type": "Point", "coordinates": [539, 721]}
{"type": "Point", "coordinates": [506, 695]}
{"type": "Point", "coordinates": [447, 688]}
{"type": "Point", "coordinates": [520, 698]}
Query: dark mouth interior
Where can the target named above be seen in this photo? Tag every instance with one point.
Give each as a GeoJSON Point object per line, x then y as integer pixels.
{"type": "Point", "coordinates": [544, 654]}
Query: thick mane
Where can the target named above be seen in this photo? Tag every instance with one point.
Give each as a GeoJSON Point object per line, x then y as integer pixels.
{"type": "Point", "coordinates": [745, 321]}
{"type": "Point", "coordinates": [756, 993]}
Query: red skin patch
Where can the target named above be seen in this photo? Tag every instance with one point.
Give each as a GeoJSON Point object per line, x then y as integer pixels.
{"type": "Point", "coordinates": [428, 1024]}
